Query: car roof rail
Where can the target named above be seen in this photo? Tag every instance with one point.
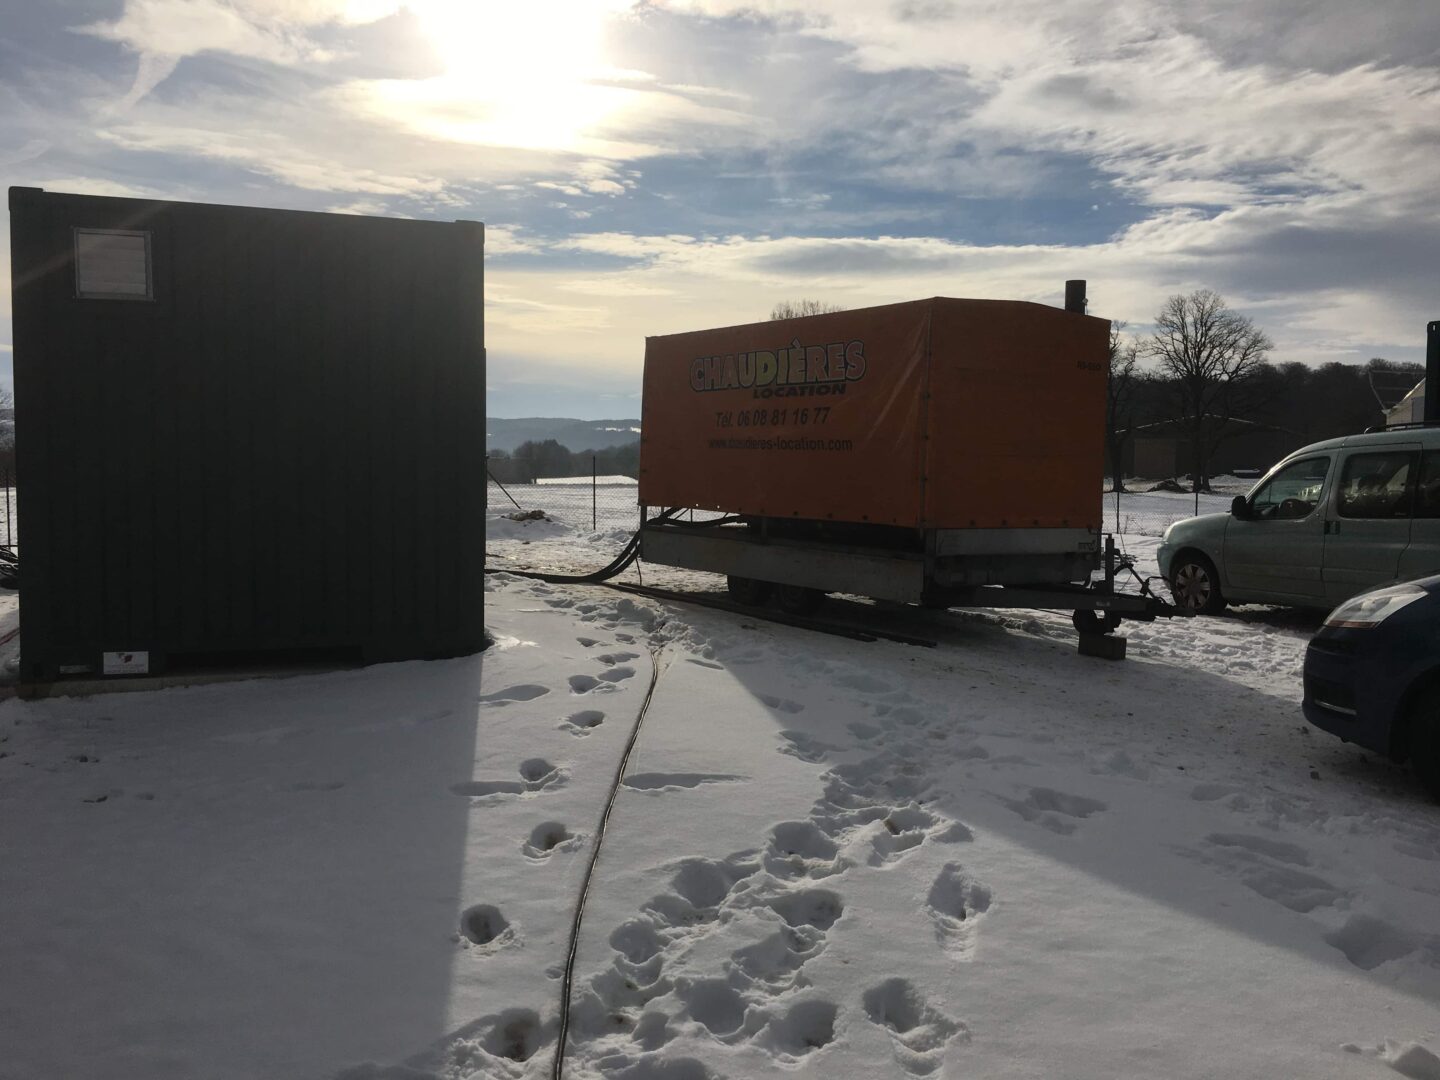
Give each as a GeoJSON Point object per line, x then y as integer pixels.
{"type": "Point", "coordinates": [1378, 428]}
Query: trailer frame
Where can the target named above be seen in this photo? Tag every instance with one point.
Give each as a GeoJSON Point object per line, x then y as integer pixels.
{"type": "Point", "coordinates": [748, 555]}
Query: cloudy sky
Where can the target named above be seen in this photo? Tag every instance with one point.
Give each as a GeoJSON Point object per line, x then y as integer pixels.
{"type": "Point", "coordinates": [666, 165]}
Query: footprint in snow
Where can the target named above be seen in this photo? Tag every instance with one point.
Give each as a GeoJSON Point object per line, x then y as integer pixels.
{"type": "Point", "coordinates": [699, 888]}
{"type": "Point", "coordinates": [806, 1027]}
{"type": "Point", "coordinates": [1410, 1059]}
{"type": "Point", "coordinates": [1054, 810]}
{"type": "Point", "coordinates": [780, 704]}
{"type": "Point", "coordinates": [655, 782]}
{"type": "Point", "coordinates": [486, 926]}
{"type": "Point", "coordinates": [1261, 845]}
{"type": "Point", "coordinates": [706, 882]}
{"type": "Point", "coordinates": [820, 908]}
{"type": "Point", "coordinates": [517, 1035]}
{"type": "Point", "coordinates": [717, 1007]}
{"type": "Point", "coordinates": [956, 903]}
{"type": "Point", "coordinates": [535, 774]}
{"type": "Point", "coordinates": [547, 838]}
{"type": "Point", "coordinates": [636, 941]}
{"type": "Point", "coordinates": [583, 722]}
{"type": "Point", "coordinates": [651, 1068]}
{"type": "Point", "coordinates": [1368, 942]}
{"type": "Point", "coordinates": [617, 658]}
{"type": "Point", "coordinates": [900, 831]}
{"type": "Point", "coordinates": [805, 747]}
{"type": "Point", "coordinates": [800, 849]}
{"type": "Point", "coordinates": [1269, 868]}
{"type": "Point", "coordinates": [775, 961]}
{"type": "Point", "coordinates": [524, 692]}
{"type": "Point", "coordinates": [918, 1033]}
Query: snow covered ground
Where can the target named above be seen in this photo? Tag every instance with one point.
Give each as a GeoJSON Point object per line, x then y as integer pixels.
{"type": "Point", "coordinates": [828, 858]}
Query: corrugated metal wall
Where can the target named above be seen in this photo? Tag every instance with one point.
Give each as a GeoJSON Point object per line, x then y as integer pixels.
{"type": "Point", "coordinates": [282, 449]}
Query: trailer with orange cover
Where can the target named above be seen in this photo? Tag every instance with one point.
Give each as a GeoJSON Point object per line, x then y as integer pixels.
{"type": "Point", "coordinates": [917, 452]}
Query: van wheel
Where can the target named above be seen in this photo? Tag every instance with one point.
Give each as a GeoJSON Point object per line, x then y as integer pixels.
{"type": "Point", "coordinates": [1424, 733]}
{"type": "Point", "coordinates": [1195, 585]}
{"type": "Point", "coordinates": [748, 591]}
{"type": "Point", "coordinates": [797, 600]}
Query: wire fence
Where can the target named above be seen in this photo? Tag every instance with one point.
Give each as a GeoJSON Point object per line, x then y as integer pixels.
{"type": "Point", "coordinates": [1148, 507]}
{"type": "Point", "coordinates": [10, 521]}
{"type": "Point", "coordinates": [597, 503]}
{"type": "Point", "coordinates": [606, 503]}
{"type": "Point", "coordinates": [1150, 513]}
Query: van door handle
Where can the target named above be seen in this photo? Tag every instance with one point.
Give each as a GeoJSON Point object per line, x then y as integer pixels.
{"type": "Point", "coordinates": [1331, 527]}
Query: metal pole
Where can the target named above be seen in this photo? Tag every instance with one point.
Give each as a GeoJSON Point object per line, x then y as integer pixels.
{"type": "Point", "coordinates": [502, 487]}
{"type": "Point", "coordinates": [594, 483]}
{"type": "Point", "coordinates": [1432, 373]}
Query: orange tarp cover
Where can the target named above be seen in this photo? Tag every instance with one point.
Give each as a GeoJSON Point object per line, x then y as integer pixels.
{"type": "Point", "coordinates": [931, 414]}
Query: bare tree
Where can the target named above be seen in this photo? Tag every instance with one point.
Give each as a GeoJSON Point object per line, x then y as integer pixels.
{"type": "Point", "coordinates": [1213, 355]}
{"type": "Point", "coordinates": [794, 309]}
{"type": "Point", "coordinates": [1120, 401]}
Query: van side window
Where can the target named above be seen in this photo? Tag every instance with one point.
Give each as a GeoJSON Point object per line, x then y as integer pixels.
{"type": "Point", "coordinates": [1427, 490]}
{"type": "Point", "coordinates": [1376, 485]}
{"type": "Point", "coordinates": [1292, 492]}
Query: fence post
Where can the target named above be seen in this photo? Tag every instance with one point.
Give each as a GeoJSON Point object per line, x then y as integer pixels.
{"type": "Point", "coordinates": [594, 484]}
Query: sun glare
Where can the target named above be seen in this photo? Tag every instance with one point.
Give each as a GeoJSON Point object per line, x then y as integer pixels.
{"type": "Point", "coordinates": [519, 74]}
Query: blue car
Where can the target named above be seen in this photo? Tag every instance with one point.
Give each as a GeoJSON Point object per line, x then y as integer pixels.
{"type": "Point", "coordinates": [1372, 675]}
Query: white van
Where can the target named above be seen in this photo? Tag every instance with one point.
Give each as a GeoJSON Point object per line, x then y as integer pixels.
{"type": "Point", "coordinates": [1331, 520]}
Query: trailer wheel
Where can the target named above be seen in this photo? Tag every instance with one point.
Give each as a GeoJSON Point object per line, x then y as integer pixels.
{"type": "Point", "coordinates": [748, 591]}
{"type": "Point", "coordinates": [797, 600]}
{"type": "Point", "coordinates": [1095, 622]}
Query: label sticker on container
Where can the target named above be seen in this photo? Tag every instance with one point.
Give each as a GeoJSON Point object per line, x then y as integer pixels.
{"type": "Point", "coordinates": [127, 663]}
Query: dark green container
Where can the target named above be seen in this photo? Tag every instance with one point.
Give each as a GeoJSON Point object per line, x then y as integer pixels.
{"type": "Point", "coordinates": [245, 435]}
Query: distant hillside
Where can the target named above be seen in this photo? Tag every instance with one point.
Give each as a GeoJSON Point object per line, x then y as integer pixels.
{"type": "Point", "coordinates": [573, 434]}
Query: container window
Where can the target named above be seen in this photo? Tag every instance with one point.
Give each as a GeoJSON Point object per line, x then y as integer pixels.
{"type": "Point", "coordinates": [113, 264]}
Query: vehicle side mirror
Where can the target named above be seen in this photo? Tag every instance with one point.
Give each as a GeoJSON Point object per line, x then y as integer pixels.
{"type": "Point", "coordinates": [1239, 507]}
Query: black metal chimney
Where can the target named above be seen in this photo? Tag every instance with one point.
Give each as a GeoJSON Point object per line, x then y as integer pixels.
{"type": "Point", "coordinates": [1432, 373]}
{"type": "Point", "coordinates": [1075, 299]}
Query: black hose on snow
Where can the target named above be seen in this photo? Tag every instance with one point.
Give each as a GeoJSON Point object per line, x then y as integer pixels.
{"type": "Point", "coordinates": [628, 554]}
{"type": "Point", "coordinates": [567, 984]}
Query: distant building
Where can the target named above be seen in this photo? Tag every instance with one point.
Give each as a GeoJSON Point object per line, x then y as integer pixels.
{"type": "Point", "coordinates": [1163, 449]}
{"type": "Point", "coordinates": [1411, 408]}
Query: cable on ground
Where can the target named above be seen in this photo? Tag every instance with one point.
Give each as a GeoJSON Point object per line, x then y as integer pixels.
{"type": "Point", "coordinates": [568, 982]}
